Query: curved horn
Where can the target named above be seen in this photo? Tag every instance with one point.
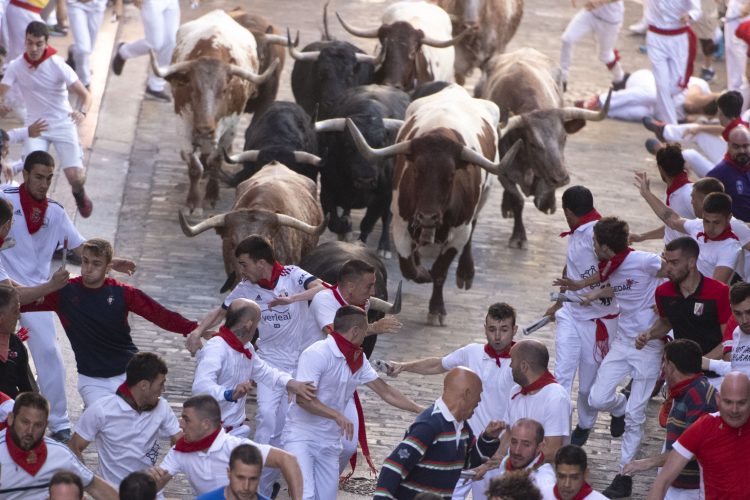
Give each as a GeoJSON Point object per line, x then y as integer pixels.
{"type": "Point", "coordinates": [169, 70]}
{"type": "Point", "coordinates": [305, 157]}
{"type": "Point", "coordinates": [275, 39]}
{"type": "Point", "coordinates": [288, 221]}
{"type": "Point", "coordinates": [326, 34]}
{"type": "Point", "coordinates": [331, 125]}
{"type": "Point", "coordinates": [249, 155]}
{"type": "Point", "coordinates": [442, 44]}
{"type": "Point", "coordinates": [400, 148]}
{"type": "Point", "coordinates": [392, 123]}
{"type": "Point", "coordinates": [513, 123]}
{"type": "Point", "coordinates": [471, 156]}
{"type": "Point", "coordinates": [296, 54]}
{"type": "Point", "coordinates": [383, 306]}
{"type": "Point", "coordinates": [366, 58]}
{"type": "Point", "coordinates": [196, 163]}
{"type": "Point", "coordinates": [363, 33]}
{"type": "Point", "coordinates": [210, 223]}
{"type": "Point", "coordinates": [569, 113]}
{"type": "Point", "coordinates": [254, 77]}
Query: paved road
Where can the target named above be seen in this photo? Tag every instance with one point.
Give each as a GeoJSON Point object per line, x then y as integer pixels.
{"type": "Point", "coordinates": [137, 147]}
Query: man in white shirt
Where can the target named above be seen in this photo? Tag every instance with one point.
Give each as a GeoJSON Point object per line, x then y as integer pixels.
{"type": "Point", "coordinates": [202, 453]}
{"type": "Point", "coordinates": [44, 80]}
{"type": "Point", "coordinates": [85, 19]}
{"type": "Point", "coordinates": [128, 425]}
{"type": "Point", "coordinates": [571, 471]}
{"type": "Point", "coordinates": [735, 48]}
{"type": "Point", "coordinates": [28, 460]}
{"type": "Point", "coordinates": [336, 366]}
{"type": "Point", "coordinates": [736, 348]}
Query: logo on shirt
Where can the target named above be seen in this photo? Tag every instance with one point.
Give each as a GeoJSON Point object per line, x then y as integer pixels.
{"type": "Point", "coordinates": [257, 298]}
{"type": "Point", "coordinates": [698, 309]}
{"type": "Point", "coordinates": [110, 299]}
{"type": "Point", "coordinates": [625, 286]}
{"type": "Point", "coordinates": [403, 454]}
{"type": "Point", "coordinates": [153, 453]}
{"type": "Point", "coordinates": [739, 186]}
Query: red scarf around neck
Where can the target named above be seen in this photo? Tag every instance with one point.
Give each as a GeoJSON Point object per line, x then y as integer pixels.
{"type": "Point", "coordinates": [31, 461]}
{"type": "Point", "coordinates": [678, 181]}
{"type": "Point", "coordinates": [352, 353]}
{"type": "Point", "coordinates": [725, 235]}
{"type": "Point", "coordinates": [676, 391]}
{"type": "Point", "coordinates": [544, 380]}
{"type": "Point", "coordinates": [585, 219]}
{"type": "Point", "coordinates": [337, 295]}
{"type": "Point", "coordinates": [201, 445]}
{"type": "Point", "coordinates": [492, 353]}
{"type": "Point", "coordinates": [275, 273]}
{"type": "Point", "coordinates": [585, 491]}
{"type": "Point", "coordinates": [33, 210]}
{"type": "Point", "coordinates": [742, 168]}
{"type": "Point", "coordinates": [533, 465]}
{"type": "Point", "coordinates": [48, 52]}
{"type": "Point", "coordinates": [232, 341]}
{"type": "Point", "coordinates": [608, 267]}
{"type": "Point", "coordinates": [731, 126]}
{"type": "Point", "coordinates": [124, 392]}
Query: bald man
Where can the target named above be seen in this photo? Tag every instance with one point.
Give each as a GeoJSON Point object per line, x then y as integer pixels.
{"type": "Point", "coordinates": [732, 171]}
{"type": "Point", "coordinates": [228, 364]}
{"type": "Point", "coordinates": [719, 441]}
{"type": "Point", "coordinates": [440, 435]}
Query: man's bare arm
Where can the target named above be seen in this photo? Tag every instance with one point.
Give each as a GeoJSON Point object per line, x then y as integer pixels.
{"type": "Point", "coordinates": [287, 464]}
{"type": "Point", "coordinates": [213, 318]}
{"type": "Point", "coordinates": [426, 366]}
{"type": "Point", "coordinates": [102, 490]}
{"type": "Point", "coordinates": [669, 472]}
{"type": "Point", "coordinates": [666, 214]}
{"type": "Point", "coordinates": [393, 396]}
{"type": "Point", "coordinates": [77, 444]}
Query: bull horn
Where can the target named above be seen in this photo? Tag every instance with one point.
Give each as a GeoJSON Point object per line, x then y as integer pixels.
{"type": "Point", "coordinates": [254, 77]}
{"type": "Point", "coordinates": [473, 157]}
{"type": "Point", "coordinates": [392, 123]}
{"type": "Point", "coordinates": [326, 34]}
{"type": "Point", "coordinates": [210, 223]}
{"type": "Point", "coordinates": [365, 58]}
{"type": "Point", "coordinates": [289, 221]}
{"type": "Point", "coordinates": [400, 148]}
{"type": "Point", "coordinates": [296, 54]}
{"type": "Point", "coordinates": [383, 306]}
{"type": "Point", "coordinates": [305, 157]}
{"type": "Point", "coordinates": [363, 33]}
{"type": "Point", "coordinates": [169, 70]}
{"type": "Point", "coordinates": [198, 163]}
{"type": "Point", "coordinates": [442, 44]}
{"type": "Point", "coordinates": [249, 155]}
{"type": "Point", "coordinates": [514, 122]}
{"type": "Point", "coordinates": [275, 39]}
{"type": "Point", "coordinates": [569, 113]}
{"type": "Point", "coordinates": [331, 125]}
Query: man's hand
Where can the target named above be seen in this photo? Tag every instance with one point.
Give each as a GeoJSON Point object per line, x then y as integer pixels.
{"type": "Point", "coordinates": [636, 466]}
{"type": "Point", "coordinates": [193, 342]}
{"type": "Point", "coordinates": [634, 238]}
{"type": "Point", "coordinates": [124, 266]}
{"type": "Point", "coordinates": [389, 324]}
{"type": "Point", "coordinates": [480, 472]}
{"type": "Point", "coordinates": [60, 278]}
{"type": "Point", "coordinates": [241, 390]}
{"type": "Point", "coordinates": [641, 340]}
{"type": "Point", "coordinates": [77, 117]}
{"type": "Point", "coordinates": [347, 428]}
{"type": "Point", "coordinates": [568, 284]}
{"type": "Point", "coordinates": [281, 300]}
{"type": "Point", "coordinates": [493, 429]}
{"type": "Point", "coordinates": [551, 310]}
{"type": "Point", "coordinates": [36, 128]}
{"type": "Point", "coordinates": [7, 172]}
{"type": "Point", "coordinates": [158, 474]}
{"type": "Point", "coordinates": [396, 368]}
{"type": "Point", "coordinates": [305, 390]}
{"type": "Point", "coordinates": [4, 110]}
{"type": "Point", "coordinates": [643, 183]}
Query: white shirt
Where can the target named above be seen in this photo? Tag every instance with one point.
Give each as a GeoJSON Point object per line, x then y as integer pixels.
{"type": "Point", "coordinates": [44, 89]}
{"type": "Point", "coordinates": [219, 368]}
{"type": "Point", "coordinates": [29, 261]}
{"type": "Point", "coordinates": [441, 407]}
{"type": "Point", "coordinates": [550, 406]}
{"type": "Point", "coordinates": [322, 312]}
{"type": "Point", "coordinates": [6, 407]}
{"type": "Point", "coordinates": [496, 383]}
{"type": "Point", "coordinates": [666, 14]}
{"type": "Point", "coordinates": [207, 470]}
{"type": "Point", "coordinates": [739, 357]}
{"type": "Point", "coordinates": [126, 440]}
{"type": "Point", "coordinates": [713, 254]}
{"type": "Point", "coordinates": [543, 478]}
{"type": "Point", "coordinates": [634, 284]}
{"type": "Point", "coordinates": [17, 135]}
{"type": "Point", "coordinates": [59, 457]}
{"type": "Point", "coordinates": [734, 8]}
{"type": "Point", "coordinates": [324, 365]}
{"type": "Point", "coordinates": [281, 329]}
{"type": "Point", "coordinates": [679, 201]}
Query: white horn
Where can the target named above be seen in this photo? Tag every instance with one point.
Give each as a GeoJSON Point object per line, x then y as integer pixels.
{"type": "Point", "coordinates": [442, 44]}
{"type": "Point", "coordinates": [275, 39]}
{"type": "Point", "coordinates": [514, 122]}
{"type": "Point", "coordinates": [249, 155]}
{"type": "Point", "coordinates": [211, 223]}
{"type": "Point", "coordinates": [169, 70]}
{"type": "Point", "coordinates": [570, 113]}
{"type": "Point", "coordinates": [471, 156]}
{"type": "Point", "coordinates": [296, 54]}
{"type": "Point", "coordinates": [392, 123]}
{"type": "Point", "coordinates": [331, 125]}
{"type": "Point", "coordinates": [364, 33]}
{"type": "Point", "coordinates": [386, 307]}
{"type": "Point", "coordinates": [288, 221]}
{"type": "Point", "coordinates": [400, 148]}
{"type": "Point", "coordinates": [305, 157]}
{"type": "Point", "coordinates": [254, 77]}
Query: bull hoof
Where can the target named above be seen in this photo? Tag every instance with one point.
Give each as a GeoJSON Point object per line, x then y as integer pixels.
{"type": "Point", "coordinates": [435, 319]}
{"type": "Point", "coordinates": [518, 243]}
{"type": "Point", "coordinates": [386, 254]}
{"type": "Point", "coordinates": [464, 283]}
{"type": "Point", "coordinates": [423, 276]}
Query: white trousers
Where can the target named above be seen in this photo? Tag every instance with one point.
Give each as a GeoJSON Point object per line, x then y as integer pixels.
{"type": "Point", "coordinates": [269, 422]}
{"type": "Point", "coordinates": [160, 18]}
{"type": "Point", "coordinates": [64, 137]}
{"type": "Point", "coordinates": [668, 55]}
{"type": "Point", "coordinates": [18, 19]}
{"type": "Point", "coordinates": [735, 52]}
{"type": "Point", "coordinates": [45, 351]}
{"type": "Point", "coordinates": [349, 446]}
{"type": "Point", "coordinates": [93, 389]}
{"type": "Point", "coordinates": [585, 23]}
{"type": "Point", "coordinates": [683, 494]}
{"type": "Point", "coordinates": [711, 147]}
{"type": "Point", "coordinates": [575, 346]}
{"type": "Point", "coordinates": [318, 462]}
{"type": "Point", "coordinates": [84, 21]}
{"type": "Point", "coordinates": [636, 100]}
{"type": "Point", "coordinates": [644, 367]}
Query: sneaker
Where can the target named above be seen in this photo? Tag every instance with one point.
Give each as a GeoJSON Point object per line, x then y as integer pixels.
{"type": "Point", "coordinates": [58, 30]}
{"type": "Point", "coordinates": [655, 126]}
{"type": "Point", "coordinates": [118, 62]}
{"type": "Point", "coordinates": [652, 146]}
{"type": "Point", "coordinates": [617, 426]}
{"type": "Point", "coordinates": [579, 436]}
{"type": "Point", "coordinates": [621, 84]}
{"type": "Point", "coordinates": [621, 487]}
{"type": "Point", "coordinates": [639, 28]}
{"type": "Point", "coordinates": [62, 436]}
{"type": "Point", "coordinates": [158, 95]}
{"type": "Point", "coordinates": [708, 74]}
{"type": "Point", "coordinates": [84, 204]}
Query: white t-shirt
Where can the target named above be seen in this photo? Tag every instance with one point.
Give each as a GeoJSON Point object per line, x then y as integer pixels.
{"type": "Point", "coordinates": [6, 407]}
{"type": "Point", "coordinates": [739, 357]}
{"type": "Point", "coordinates": [496, 383]}
{"type": "Point", "coordinates": [667, 14]}
{"type": "Point", "coordinates": [543, 478]}
{"type": "Point", "coordinates": [550, 406]}
{"type": "Point", "coordinates": [29, 261]}
{"type": "Point", "coordinates": [126, 440]}
{"type": "Point", "coordinates": [713, 254]}
{"type": "Point", "coordinates": [323, 364]}
{"type": "Point", "coordinates": [322, 312]}
{"type": "Point", "coordinates": [281, 329]}
{"type": "Point", "coordinates": [634, 284]}
{"type": "Point", "coordinates": [219, 368]}
{"type": "Point", "coordinates": [44, 89]}
{"type": "Point", "coordinates": [679, 201]}
{"type": "Point", "coordinates": [207, 470]}
{"type": "Point", "coordinates": [59, 457]}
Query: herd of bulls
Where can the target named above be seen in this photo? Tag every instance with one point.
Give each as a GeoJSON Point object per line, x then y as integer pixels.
{"type": "Point", "coordinates": [388, 132]}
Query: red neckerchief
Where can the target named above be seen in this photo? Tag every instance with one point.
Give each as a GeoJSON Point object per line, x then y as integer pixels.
{"type": "Point", "coordinates": [201, 445]}
{"type": "Point", "coordinates": [584, 219]}
{"type": "Point", "coordinates": [742, 168]}
{"type": "Point", "coordinates": [601, 346]}
{"type": "Point", "coordinates": [675, 392]}
{"type": "Point", "coordinates": [30, 461]}
{"type": "Point", "coordinates": [362, 439]}
{"type": "Point", "coordinates": [33, 210]}
{"type": "Point", "coordinates": [546, 379]}
{"type": "Point", "coordinates": [335, 290]}
{"type": "Point", "coordinates": [352, 353]}
{"type": "Point", "coordinates": [491, 352]}
{"type": "Point", "coordinates": [48, 52]}
{"type": "Point", "coordinates": [677, 182]}
{"type": "Point", "coordinates": [124, 392]}
{"type": "Point", "coordinates": [534, 465]}
{"type": "Point", "coordinates": [585, 491]}
{"type": "Point", "coordinates": [731, 126]}
{"type": "Point", "coordinates": [725, 235]}
{"type": "Point", "coordinates": [275, 273]}
{"type": "Point", "coordinates": [232, 341]}
{"type": "Point", "coordinates": [607, 267]}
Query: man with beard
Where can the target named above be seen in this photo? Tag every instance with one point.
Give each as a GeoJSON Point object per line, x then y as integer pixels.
{"type": "Point", "coordinates": [733, 170]}
{"type": "Point", "coordinates": [28, 460]}
{"type": "Point", "coordinates": [737, 345]}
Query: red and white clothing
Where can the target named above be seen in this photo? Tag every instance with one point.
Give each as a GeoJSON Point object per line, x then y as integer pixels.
{"type": "Point", "coordinates": [542, 475]}
{"type": "Point", "coordinates": [126, 440]}
{"type": "Point", "coordinates": [220, 368]}
{"type": "Point", "coordinates": [713, 254]}
{"type": "Point", "coordinates": [6, 406]}
{"type": "Point", "coordinates": [738, 345]}
{"type": "Point", "coordinates": [18, 15]}
{"type": "Point", "coordinates": [550, 406]}
{"type": "Point", "coordinates": [678, 199]}
{"type": "Point", "coordinates": [711, 147]}
{"type": "Point", "coordinates": [735, 48]}
{"type": "Point", "coordinates": [207, 470]}
{"type": "Point", "coordinates": [721, 451]}
{"type": "Point", "coordinates": [59, 457]}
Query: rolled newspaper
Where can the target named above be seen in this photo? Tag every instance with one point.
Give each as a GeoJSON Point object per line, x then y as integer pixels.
{"type": "Point", "coordinates": [536, 325]}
